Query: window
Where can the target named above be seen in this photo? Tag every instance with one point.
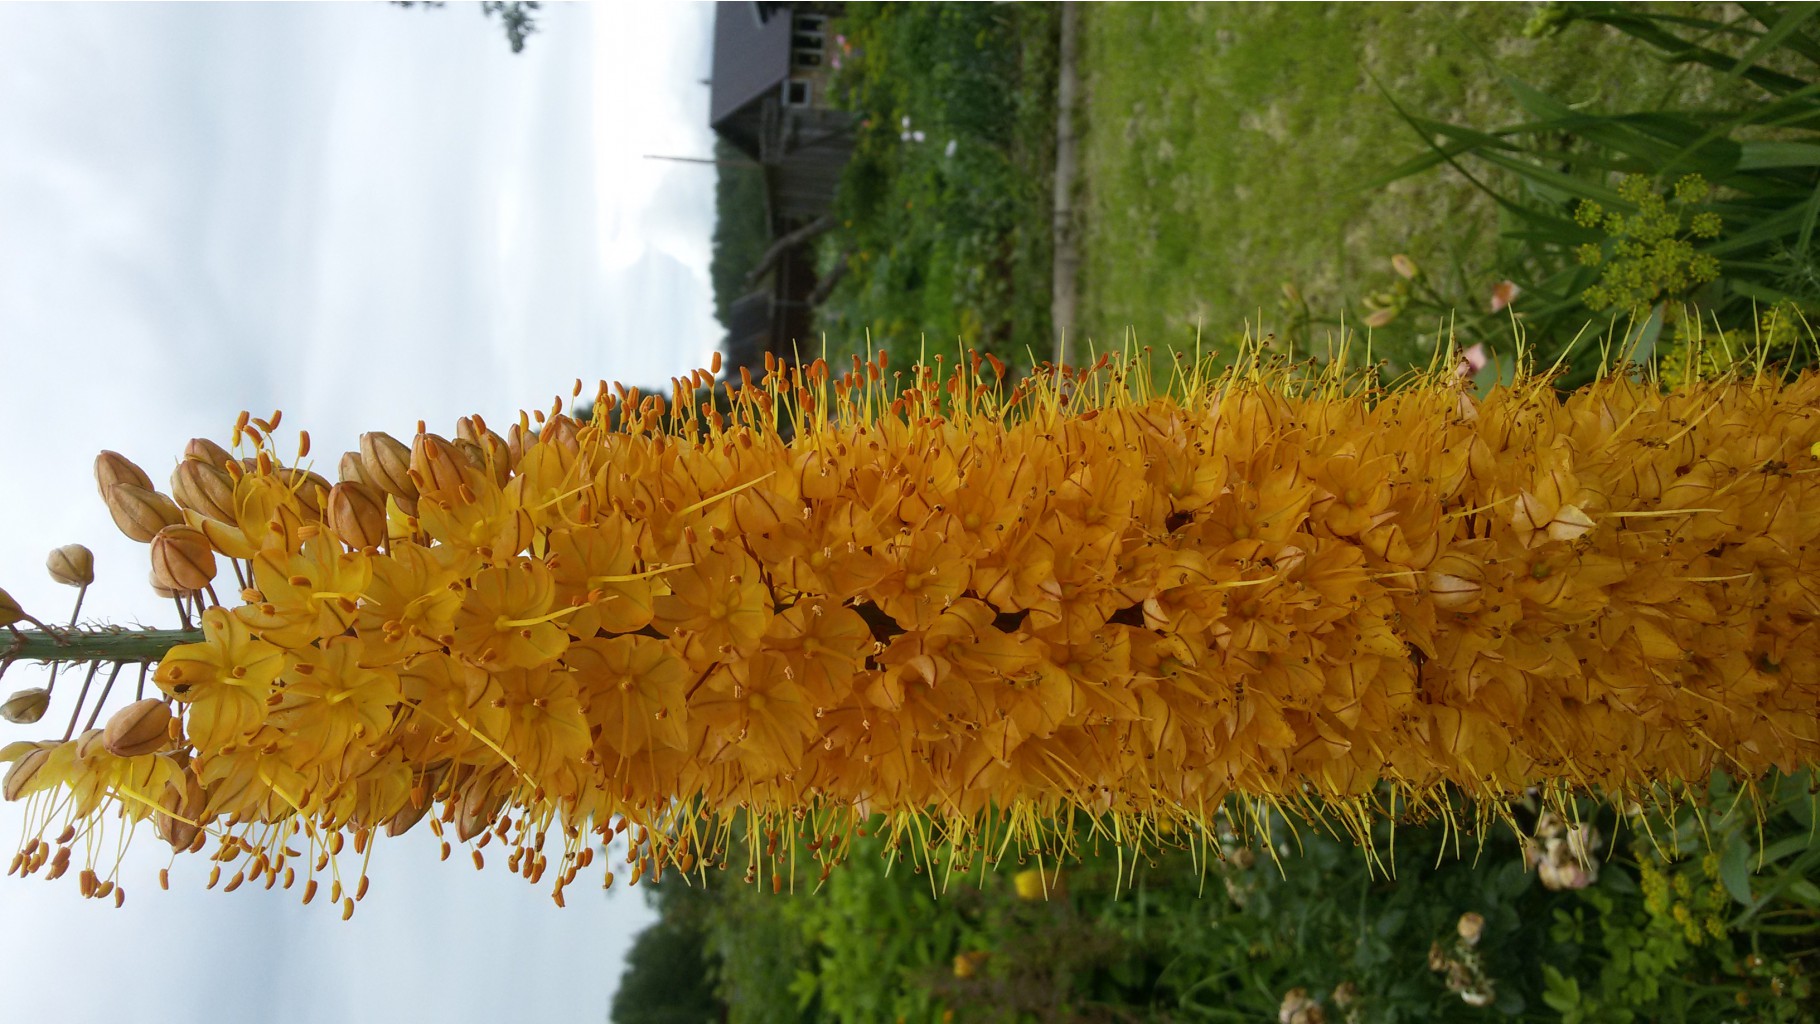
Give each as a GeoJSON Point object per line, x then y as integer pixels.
{"type": "Point", "coordinates": [796, 93]}
{"type": "Point", "coordinates": [807, 41]}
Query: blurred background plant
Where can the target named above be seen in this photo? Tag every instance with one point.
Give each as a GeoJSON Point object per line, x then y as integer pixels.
{"type": "Point", "coordinates": [1700, 914]}
{"type": "Point", "coordinates": [1641, 216]}
{"type": "Point", "coordinates": [943, 213]}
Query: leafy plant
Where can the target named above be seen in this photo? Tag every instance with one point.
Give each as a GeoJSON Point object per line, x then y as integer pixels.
{"type": "Point", "coordinates": [944, 223]}
{"type": "Point", "coordinates": [1741, 245]}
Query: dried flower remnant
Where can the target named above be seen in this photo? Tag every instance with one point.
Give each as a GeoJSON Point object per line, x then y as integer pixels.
{"type": "Point", "coordinates": [965, 609]}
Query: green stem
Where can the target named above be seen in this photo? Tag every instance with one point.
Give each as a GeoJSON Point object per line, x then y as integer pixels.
{"type": "Point", "coordinates": [143, 646]}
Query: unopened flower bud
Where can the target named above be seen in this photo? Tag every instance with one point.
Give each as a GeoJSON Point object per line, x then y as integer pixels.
{"type": "Point", "coordinates": [72, 565]}
{"type": "Point", "coordinates": [10, 611]}
{"type": "Point", "coordinates": [140, 512]}
{"type": "Point", "coordinates": [356, 513]}
{"type": "Point", "coordinates": [438, 465]}
{"type": "Point", "coordinates": [182, 559]}
{"type": "Point", "coordinates": [469, 430]}
{"type": "Point", "coordinates": [562, 432]}
{"type": "Point", "coordinates": [1455, 581]}
{"type": "Point", "coordinates": [201, 449]}
{"type": "Point", "coordinates": [1404, 266]}
{"type": "Point", "coordinates": [517, 440]}
{"type": "Point", "coordinates": [353, 471]}
{"type": "Point", "coordinates": [181, 819]}
{"type": "Point", "coordinates": [309, 488]}
{"type": "Point", "coordinates": [87, 743]}
{"type": "Point", "coordinates": [26, 706]}
{"type": "Point", "coordinates": [474, 453]}
{"type": "Point", "coordinates": [1470, 927]}
{"type": "Point", "coordinates": [114, 468]}
{"type": "Point", "coordinates": [388, 467]}
{"type": "Point", "coordinates": [142, 727]}
{"type": "Point", "coordinates": [406, 818]}
{"type": "Point", "coordinates": [205, 489]}
{"type": "Point", "coordinates": [19, 777]}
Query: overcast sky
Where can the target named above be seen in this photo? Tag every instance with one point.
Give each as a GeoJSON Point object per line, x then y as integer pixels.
{"type": "Point", "coordinates": [363, 215]}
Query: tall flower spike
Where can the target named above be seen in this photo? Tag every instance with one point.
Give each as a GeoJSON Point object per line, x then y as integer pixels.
{"type": "Point", "coordinates": [974, 609]}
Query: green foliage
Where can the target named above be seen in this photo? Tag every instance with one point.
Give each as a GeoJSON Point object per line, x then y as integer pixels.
{"type": "Point", "coordinates": [1579, 188]}
{"type": "Point", "coordinates": [1652, 253]}
{"type": "Point", "coordinates": [741, 233]}
{"type": "Point", "coordinates": [517, 17]}
{"type": "Point", "coordinates": [1227, 146]}
{"type": "Point", "coordinates": [1697, 914]}
{"type": "Point", "coordinates": [668, 978]}
{"type": "Point", "coordinates": [944, 211]}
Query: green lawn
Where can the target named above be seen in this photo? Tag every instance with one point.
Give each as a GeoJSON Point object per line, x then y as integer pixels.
{"type": "Point", "coordinates": [1226, 146]}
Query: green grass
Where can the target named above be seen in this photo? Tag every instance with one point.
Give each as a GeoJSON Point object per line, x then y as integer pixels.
{"type": "Point", "coordinates": [1226, 146]}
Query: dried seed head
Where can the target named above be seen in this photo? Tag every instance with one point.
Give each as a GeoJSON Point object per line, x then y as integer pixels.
{"type": "Point", "coordinates": [142, 727]}
{"type": "Point", "coordinates": [72, 565]}
{"type": "Point", "coordinates": [182, 559]}
{"type": "Point", "coordinates": [26, 706]}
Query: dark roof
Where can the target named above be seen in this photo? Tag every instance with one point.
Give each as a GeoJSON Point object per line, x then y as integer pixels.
{"type": "Point", "coordinates": [751, 55]}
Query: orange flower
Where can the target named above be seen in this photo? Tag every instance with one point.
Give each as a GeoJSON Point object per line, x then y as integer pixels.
{"type": "Point", "coordinates": [225, 680]}
{"type": "Point", "coordinates": [718, 607]}
{"type": "Point", "coordinates": [307, 596]}
{"type": "Point", "coordinates": [505, 619]}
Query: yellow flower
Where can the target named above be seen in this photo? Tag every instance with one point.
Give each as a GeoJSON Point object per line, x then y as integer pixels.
{"type": "Point", "coordinates": [632, 691]}
{"type": "Point", "coordinates": [409, 607]}
{"type": "Point", "coordinates": [545, 731]}
{"type": "Point", "coordinates": [331, 708]}
{"type": "Point", "coordinates": [718, 607]}
{"type": "Point", "coordinates": [505, 619]}
{"type": "Point", "coordinates": [598, 571]}
{"type": "Point", "coordinates": [224, 680]}
{"type": "Point", "coordinates": [307, 596]}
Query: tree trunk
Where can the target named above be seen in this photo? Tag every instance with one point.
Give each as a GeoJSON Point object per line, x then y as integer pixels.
{"type": "Point", "coordinates": [783, 245]}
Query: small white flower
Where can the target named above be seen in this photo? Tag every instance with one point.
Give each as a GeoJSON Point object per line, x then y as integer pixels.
{"type": "Point", "coordinates": [952, 144]}
{"type": "Point", "coordinates": [917, 135]}
{"type": "Point", "coordinates": [906, 122]}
